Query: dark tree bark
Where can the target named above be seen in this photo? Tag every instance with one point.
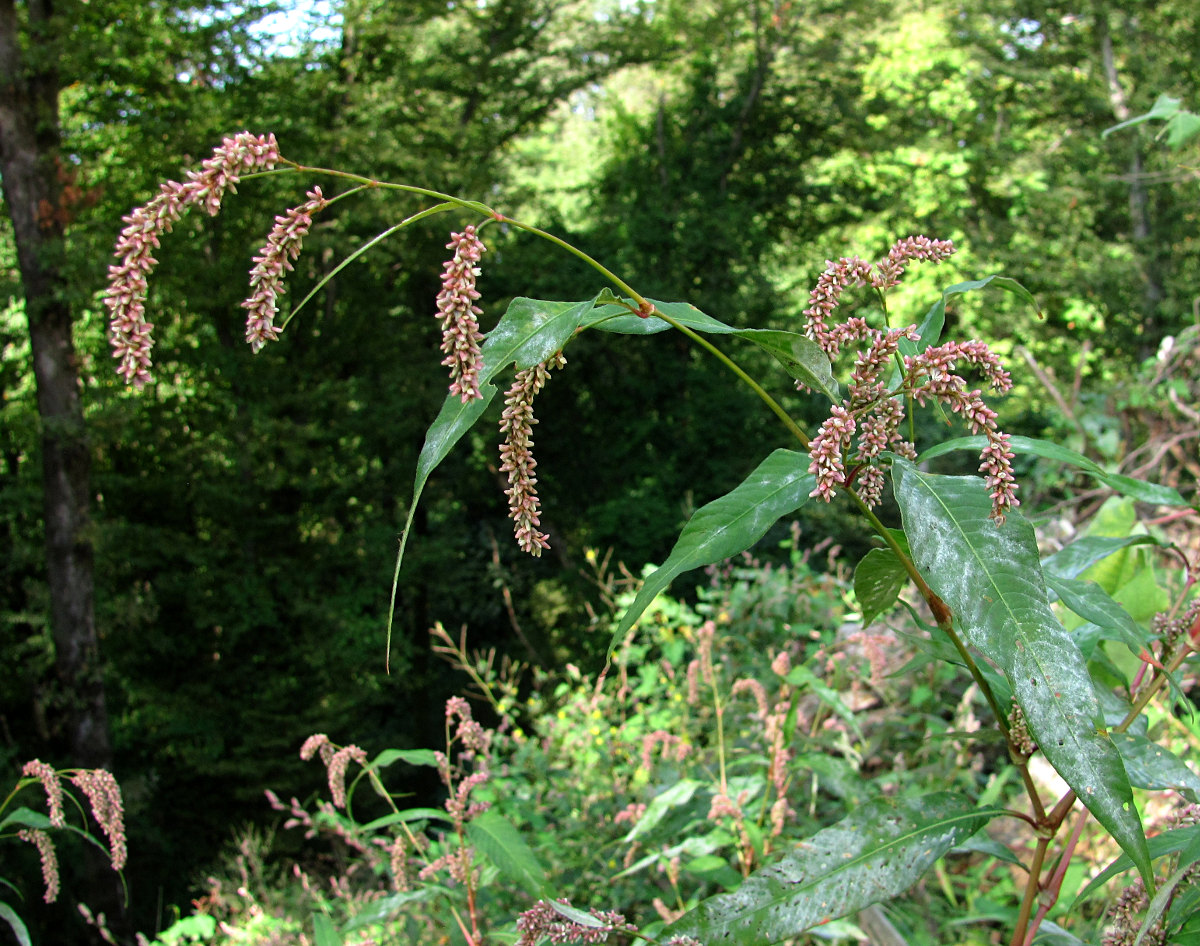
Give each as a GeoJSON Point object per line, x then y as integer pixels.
{"type": "Point", "coordinates": [33, 179]}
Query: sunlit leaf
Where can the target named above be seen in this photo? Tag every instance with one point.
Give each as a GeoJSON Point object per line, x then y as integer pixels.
{"type": "Point", "coordinates": [991, 578]}
{"type": "Point", "coordinates": [411, 756]}
{"type": "Point", "coordinates": [800, 356]}
{"type": "Point", "coordinates": [495, 837]}
{"type": "Point", "coordinates": [873, 854]}
{"type": "Point", "coordinates": [324, 932]}
{"type": "Point", "coordinates": [729, 525]}
{"type": "Point", "coordinates": [1048, 450]}
{"type": "Point", "coordinates": [1154, 767]}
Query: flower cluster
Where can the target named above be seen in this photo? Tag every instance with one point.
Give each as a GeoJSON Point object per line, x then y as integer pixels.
{"type": "Point", "coordinates": [41, 840]}
{"type": "Point", "coordinates": [129, 332]}
{"type": "Point", "coordinates": [273, 260]}
{"type": "Point", "coordinates": [104, 795]}
{"type": "Point", "coordinates": [336, 761]}
{"type": "Point", "coordinates": [516, 458]}
{"type": "Point", "coordinates": [872, 410]}
{"type": "Point", "coordinates": [542, 920]}
{"type": "Point", "coordinates": [1125, 917]}
{"type": "Point", "coordinates": [45, 774]}
{"type": "Point", "coordinates": [459, 314]}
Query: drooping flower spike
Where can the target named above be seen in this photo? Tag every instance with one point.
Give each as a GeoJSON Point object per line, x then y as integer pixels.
{"type": "Point", "coordinates": [875, 413]}
{"type": "Point", "coordinates": [129, 333]}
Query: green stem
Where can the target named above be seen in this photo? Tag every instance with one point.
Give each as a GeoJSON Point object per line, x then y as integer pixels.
{"type": "Point", "coordinates": [644, 307]}
{"type": "Point", "coordinates": [774, 405]}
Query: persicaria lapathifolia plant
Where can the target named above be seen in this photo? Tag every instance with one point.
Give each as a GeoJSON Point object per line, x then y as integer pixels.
{"type": "Point", "coordinates": [997, 608]}
{"type": "Point", "coordinates": [103, 796]}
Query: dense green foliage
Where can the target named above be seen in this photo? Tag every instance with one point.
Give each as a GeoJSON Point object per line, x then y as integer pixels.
{"type": "Point", "coordinates": [247, 511]}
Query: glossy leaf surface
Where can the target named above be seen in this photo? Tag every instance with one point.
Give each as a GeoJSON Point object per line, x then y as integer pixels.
{"type": "Point", "coordinates": [1154, 767]}
{"type": "Point", "coordinates": [729, 525]}
{"type": "Point", "coordinates": [991, 578]}
{"type": "Point", "coordinates": [875, 853]}
{"type": "Point", "coordinates": [495, 837]}
{"type": "Point", "coordinates": [1048, 450]}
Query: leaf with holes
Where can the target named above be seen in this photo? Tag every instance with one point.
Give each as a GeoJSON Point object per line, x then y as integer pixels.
{"type": "Point", "coordinates": [875, 853]}
{"type": "Point", "coordinates": [991, 578]}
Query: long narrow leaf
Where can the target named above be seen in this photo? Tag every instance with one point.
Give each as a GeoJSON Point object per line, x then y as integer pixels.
{"type": "Point", "coordinates": [875, 853]}
{"type": "Point", "coordinates": [500, 842]}
{"type": "Point", "coordinates": [991, 578]}
{"type": "Point", "coordinates": [529, 332]}
{"type": "Point", "coordinates": [1048, 450]}
{"type": "Point", "coordinates": [729, 525]}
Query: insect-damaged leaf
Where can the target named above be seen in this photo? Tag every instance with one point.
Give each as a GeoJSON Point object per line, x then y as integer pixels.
{"type": "Point", "coordinates": [875, 853]}
{"type": "Point", "coordinates": [991, 577]}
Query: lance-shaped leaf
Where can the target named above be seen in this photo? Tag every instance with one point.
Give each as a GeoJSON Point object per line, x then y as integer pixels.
{"type": "Point", "coordinates": [930, 328]}
{"type": "Point", "coordinates": [1093, 603]}
{"type": "Point", "coordinates": [1154, 767]}
{"type": "Point", "coordinates": [729, 525]}
{"type": "Point", "coordinates": [991, 578]}
{"type": "Point", "coordinates": [619, 319]}
{"type": "Point", "coordinates": [1074, 559]}
{"type": "Point", "coordinates": [800, 356]}
{"type": "Point", "coordinates": [875, 853]}
{"type": "Point", "coordinates": [529, 332]}
{"type": "Point", "coordinates": [1048, 450]}
{"type": "Point", "coordinates": [497, 839]}
{"type": "Point", "coordinates": [878, 580]}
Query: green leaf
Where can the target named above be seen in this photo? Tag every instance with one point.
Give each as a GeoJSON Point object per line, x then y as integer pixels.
{"type": "Point", "coordinates": [991, 579]}
{"type": "Point", "coordinates": [26, 817]}
{"type": "Point", "coordinates": [1151, 766]}
{"type": "Point", "coordinates": [729, 525]}
{"type": "Point", "coordinates": [1048, 450]}
{"type": "Point", "coordinates": [878, 580]}
{"type": "Point", "coordinates": [1074, 559]}
{"type": "Point", "coordinates": [1093, 603]}
{"type": "Point", "coordinates": [1183, 841]}
{"type": "Point", "coordinates": [324, 933]}
{"type": "Point", "coordinates": [678, 794]}
{"type": "Point", "coordinates": [497, 839]}
{"type": "Point", "coordinates": [930, 328]}
{"type": "Point", "coordinates": [800, 356]}
{"type": "Point", "coordinates": [405, 816]}
{"type": "Point", "coordinates": [411, 756]}
{"type": "Point", "coordinates": [1165, 107]}
{"type": "Point", "coordinates": [9, 915]}
{"type": "Point", "coordinates": [618, 319]}
{"type": "Point", "coordinates": [529, 332]}
{"type": "Point", "coordinates": [875, 853]}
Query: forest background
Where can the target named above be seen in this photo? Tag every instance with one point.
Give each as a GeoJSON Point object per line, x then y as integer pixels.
{"type": "Point", "coordinates": [242, 514]}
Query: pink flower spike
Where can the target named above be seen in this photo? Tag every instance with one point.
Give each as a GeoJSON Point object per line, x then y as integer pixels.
{"type": "Point", "coordinates": [273, 260]}
{"type": "Point", "coordinates": [517, 461]}
{"type": "Point", "coordinates": [459, 315]}
{"type": "Point", "coordinates": [129, 332]}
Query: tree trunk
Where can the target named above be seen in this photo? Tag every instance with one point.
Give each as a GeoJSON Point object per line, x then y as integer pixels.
{"type": "Point", "coordinates": [33, 181]}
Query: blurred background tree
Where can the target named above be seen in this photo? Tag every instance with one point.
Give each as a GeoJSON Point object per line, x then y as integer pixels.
{"type": "Point", "coordinates": [244, 511]}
